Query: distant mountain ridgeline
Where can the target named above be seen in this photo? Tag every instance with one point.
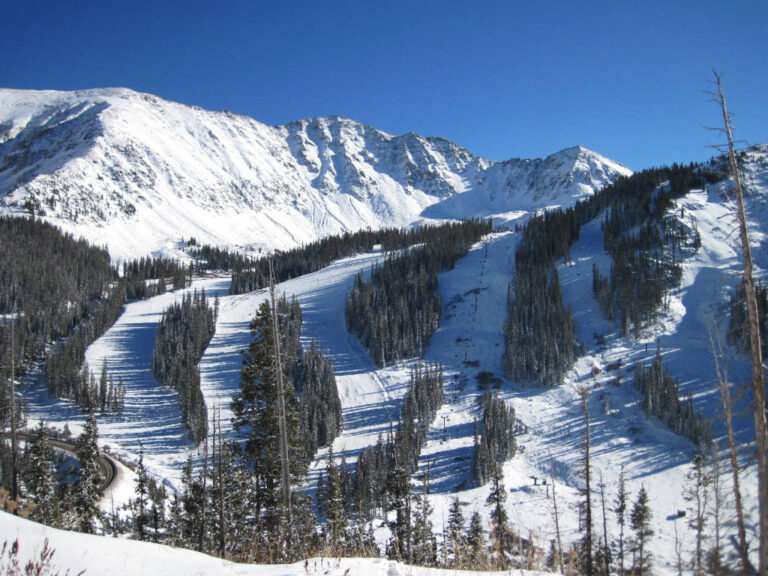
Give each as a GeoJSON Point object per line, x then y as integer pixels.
{"type": "Point", "coordinates": [137, 172]}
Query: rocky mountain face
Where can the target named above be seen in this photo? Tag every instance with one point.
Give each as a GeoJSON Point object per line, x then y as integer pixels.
{"type": "Point", "coordinates": [139, 173]}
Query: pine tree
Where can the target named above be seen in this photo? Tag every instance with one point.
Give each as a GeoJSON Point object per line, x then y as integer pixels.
{"type": "Point", "coordinates": [500, 535]}
{"type": "Point", "coordinates": [640, 520]}
{"type": "Point", "coordinates": [194, 520]}
{"type": "Point", "coordinates": [103, 387]}
{"type": "Point", "coordinates": [141, 488]}
{"type": "Point", "coordinates": [256, 410]}
{"type": "Point", "coordinates": [476, 542]}
{"type": "Point", "coordinates": [86, 491]}
{"type": "Point", "coordinates": [424, 549]}
{"type": "Point", "coordinates": [621, 510]}
{"type": "Point", "coordinates": [696, 494]}
{"type": "Point", "coordinates": [399, 494]}
{"type": "Point", "coordinates": [40, 479]}
{"type": "Point", "coordinates": [334, 503]}
{"type": "Point", "coordinates": [455, 537]}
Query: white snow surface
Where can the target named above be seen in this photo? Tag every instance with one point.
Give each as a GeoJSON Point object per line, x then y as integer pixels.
{"type": "Point", "coordinates": [139, 173]}
{"type": "Point", "coordinates": [105, 556]}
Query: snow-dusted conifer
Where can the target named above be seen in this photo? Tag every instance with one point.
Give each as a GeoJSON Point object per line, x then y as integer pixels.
{"type": "Point", "coordinates": [41, 476]}
{"type": "Point", "coordinates": [86, 491]}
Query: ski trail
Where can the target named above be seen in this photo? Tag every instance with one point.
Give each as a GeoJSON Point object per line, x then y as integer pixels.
{"type": "Point", "coordinates": [152, 419]}
{"type": "Point", "coordinates": [469, 341]}
{"type": "Point", "coordinates": [368, 395]}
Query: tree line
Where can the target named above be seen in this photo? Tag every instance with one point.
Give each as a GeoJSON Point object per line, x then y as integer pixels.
{"type": "Point", "coordinates": [185, 330]}
{"type": "Point", "coordinates": [311, 403]}
{"type": "Point", "coordinates": [396, 311]}
{"type": "Point", "coordinates": [49, 283]}
{"type": "Point", "coordinates": [539, 334]}
{"type": "Point", "coordinates": [207, 257]}
{"type": "Point", "coordinates": [217, 511]}
{"type": "Point", "coordinates": [661, 399]}
{"type": "Point", "coordinates": [645, 243]}
{"type": "Point", "coordinates": [319, 254]}
{"type": "Point", "coordinates": [147, 277]}
{"type": "Point", "coordinates": [382, 474]}
{"type": "Point", "coordinates": [61, 294]}
{"type": "Point", "coordinates": [496, 443]}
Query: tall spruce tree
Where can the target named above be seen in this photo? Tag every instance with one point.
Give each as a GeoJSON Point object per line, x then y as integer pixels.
{"type": "Point", "coordinates": [640, 520]}
{"type": "Point", "coordinates": [41, 477]}
{"type": "Point", "coordinates": [501, 536]}
{"type": "Point", "coordinates": [255, 407]}
{"type": "Point", "coordinates": [141, 489]}
{"type": "Point", "coordinates": [424, 548]}
{"type": "Point", "coordinates": [476, 542]}
{"type": "Point", "coordinates": [455, 536]}
{"type": "Point", "coordinates": [334, 503]}
{"type": "Point", "coordinates": [86, 491]}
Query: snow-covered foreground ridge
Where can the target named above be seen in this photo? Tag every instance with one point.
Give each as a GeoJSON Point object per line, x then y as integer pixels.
{"type": "Point", "coordinates": [139, 173]}
{"type": "Point", "coordinates": [105, 556]}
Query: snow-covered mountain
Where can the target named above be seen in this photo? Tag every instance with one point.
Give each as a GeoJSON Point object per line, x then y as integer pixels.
{"type": "Point", "coordinates": [139, 173]}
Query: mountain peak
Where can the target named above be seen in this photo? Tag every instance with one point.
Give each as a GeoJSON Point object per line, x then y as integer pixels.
{"type": "Point", "coordinates": [140, 172]}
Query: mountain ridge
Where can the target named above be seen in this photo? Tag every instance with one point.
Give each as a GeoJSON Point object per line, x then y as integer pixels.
{"type": "Point", "coordinates": [114, 165]}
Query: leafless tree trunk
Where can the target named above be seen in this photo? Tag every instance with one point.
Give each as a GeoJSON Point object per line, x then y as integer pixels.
{"type": "Point", "coordinates": [621, 509]}
{"type": "Point", "coordinates": [758, 385]}
{"type": "Point", "coordinates": [204, 501]}
{"type": "Point", "coordinates": [220, 479]}
{"type": "Point", "coordinates": [680, 564]}
{"type": "Point", "coordinates": [557, 518]}
{"type": "Point", "coordinates": [587, 543]}
{"type": "Point", "coordinates": [715, 554]}
{"type": "Point", "coordinates": [14, 455]}
{"type": "Point", "coordinates": [286, 474]}
{"type": "Point", "coordinates": [606, 550]}
{"type": "Point", "coordinates": [725, 397]}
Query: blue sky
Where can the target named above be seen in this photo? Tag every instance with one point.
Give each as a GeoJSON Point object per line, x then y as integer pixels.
{"type": "Point", "coordinates": [503, 79]}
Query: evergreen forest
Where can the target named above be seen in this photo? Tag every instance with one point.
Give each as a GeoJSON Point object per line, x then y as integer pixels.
{"type": "Point", "coordinates": [184, 332]}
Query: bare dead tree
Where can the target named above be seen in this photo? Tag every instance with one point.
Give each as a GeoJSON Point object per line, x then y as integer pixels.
{"type": "Point", "coordinates": [606, 548]}
{"type": "Point", "coordinates": [587, 543]}
{"type": "Point", "coordinates": [725, 397]}
{"type": "Point", "coordinates": [679, 562]}
{"type": "Point", "coordinates": [14, 455]}
{"type": "Point", "coordinates": [621, 510]}
{"type": "Point", "coordinates": [282, 424]}
{"type": "Point", "coordinates": [715, 554]}
{"type": "Point", "coordinates": [219, 448]}
{"type": "Point", "coordinates": [758, 384]}
{"type": "Point", "coordinates": [557, 517]}
{"type": "Point", "coordinates": [696, 496]}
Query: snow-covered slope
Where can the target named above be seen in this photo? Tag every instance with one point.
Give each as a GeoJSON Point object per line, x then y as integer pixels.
{"type": "Point", "coordinates": [105, 556]}
{"type": "Point", "coordinates": [469, 342]}
{"type": "Point", "coordinates": [139, 173]}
